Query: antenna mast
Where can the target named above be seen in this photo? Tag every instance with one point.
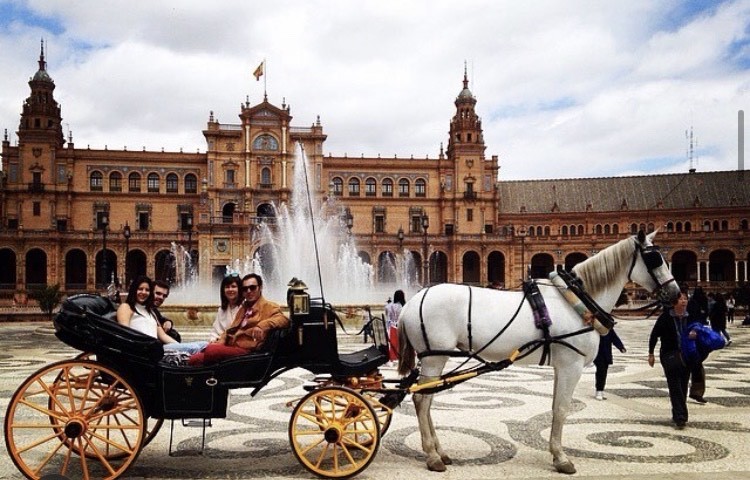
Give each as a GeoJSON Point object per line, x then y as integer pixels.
{"type": "Point", "coordinates": [692, 144]}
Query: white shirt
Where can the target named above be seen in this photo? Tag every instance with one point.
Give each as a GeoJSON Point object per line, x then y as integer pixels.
{"type": "Point", "coordinates": [143, 321]}
{"type": "Point", "coordinates": [224, 318]}
{"type": "Point", "coordinates": [392, 311]}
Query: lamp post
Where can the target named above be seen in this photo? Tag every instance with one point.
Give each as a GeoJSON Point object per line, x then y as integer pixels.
{"type": "Point", "coordinates": [425, 260]}
{"type": "Point", "coordinates": [525, 270]}
{"type": "Point", "coordinates": [104, 224]}
{"type": "Point", "coordinates": [189, 266]}
{"type": "Point", "coordinates": [126, 234]}
{"type": "Point", "coordinates": [349, 218]}
{"type": "Point", "coordinates": [400, 237]}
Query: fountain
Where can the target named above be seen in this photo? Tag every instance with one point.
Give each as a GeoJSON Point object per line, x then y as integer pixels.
{"type": "Point", "coordinates": [287, 250]}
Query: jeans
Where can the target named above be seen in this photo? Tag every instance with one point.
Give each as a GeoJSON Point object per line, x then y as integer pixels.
{"type": "Point", "coordinates": [189, 348]}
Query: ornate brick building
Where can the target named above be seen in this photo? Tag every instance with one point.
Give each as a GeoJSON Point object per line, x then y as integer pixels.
{"type": "Point", "coordinates": [63, 207]}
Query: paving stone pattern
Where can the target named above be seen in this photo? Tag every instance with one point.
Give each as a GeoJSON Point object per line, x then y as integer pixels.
{"type": "Point", "coordinates": [494, 426]}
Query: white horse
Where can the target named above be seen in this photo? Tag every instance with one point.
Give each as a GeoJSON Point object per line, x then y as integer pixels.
{"type": "Point", "coordinates": [437, 319]}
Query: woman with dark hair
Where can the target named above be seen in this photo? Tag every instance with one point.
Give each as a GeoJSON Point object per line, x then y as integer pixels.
{"type": "Point", "coordinates": [392, 311]}
{"type": "Point", "coordinates": [137, 313]}
{"type": "Point", "coordinates": [231, 300]}
{"type": "Point", "coordinates": [669, 329]}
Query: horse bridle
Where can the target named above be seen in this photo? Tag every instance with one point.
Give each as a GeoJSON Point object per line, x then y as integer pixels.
{"type": "Point", "coordinates": [653, 259]}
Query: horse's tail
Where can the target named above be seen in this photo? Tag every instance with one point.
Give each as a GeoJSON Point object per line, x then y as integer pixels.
{"type": "Point", "coordinates": [406, 352]}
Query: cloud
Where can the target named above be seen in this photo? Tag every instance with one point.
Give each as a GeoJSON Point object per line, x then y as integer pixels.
{"type": "Point", "coordinates": [565, 89]}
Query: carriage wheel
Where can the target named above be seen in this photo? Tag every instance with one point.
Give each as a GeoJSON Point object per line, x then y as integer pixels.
{"type": "Point", "coordinates": [97, 415]}
{"type": "Point", "coordinates": [152, 424]}
{"type": "Point", "coordinates": [334, 432]}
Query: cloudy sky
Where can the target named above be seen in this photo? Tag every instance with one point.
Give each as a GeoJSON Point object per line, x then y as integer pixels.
{"type": "Point", "coordinates": [565, 89]}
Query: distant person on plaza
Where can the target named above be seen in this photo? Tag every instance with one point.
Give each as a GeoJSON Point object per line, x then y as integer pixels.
{"type": "Point", "coordinates": [161, 292]}
{"type": "Point", "coordinates": [250, 327]}
{"type": "Point", "coordinates": [138, 313]}
{"type": "Point", "coordinates": [392, 311]}
{"type": "Point", "coordinates": [730, 308]}
{"type": "Point", "coordinates": [697, 309]}
{"type": "Point", "coordinates": [231, 301]}
{"type": "Point", "coordinates": [718, 317]}
{"type": "Point", "coordinates": [669, 329]}
{"type": "Point", "coordinates": [604, 359]}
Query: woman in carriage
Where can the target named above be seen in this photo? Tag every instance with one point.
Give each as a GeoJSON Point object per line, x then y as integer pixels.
{"type": "Point", "coordinates": [137, 313]}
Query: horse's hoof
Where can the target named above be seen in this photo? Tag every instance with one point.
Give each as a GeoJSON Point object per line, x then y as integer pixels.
{"type": "Point", "coordinates": [436, 466]}
{"type": "Point", "coordinates": [566, 467]}
{"type": "Point", "coordinates": [446, 460]}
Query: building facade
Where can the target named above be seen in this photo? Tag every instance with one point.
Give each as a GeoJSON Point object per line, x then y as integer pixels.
{"type": "Point", "coordinates": [82, 217]}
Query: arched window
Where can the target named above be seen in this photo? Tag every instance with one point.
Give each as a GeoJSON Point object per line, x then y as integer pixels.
{"type": "Point", "coordinates": [152, 183]}
{"type": "Point", "coordinates": [598, 229]}
{"type": "Point", "coordinates": [633, 228]}
{"type": "Point", "coordinates": [265, 178]}
{"type": "Point", "coordinates": [716, 226]}
{"type": "Point", "coordinates": [546, 231]}
{"type": "Point", "coordinates": [650, 227]}
{"type": "Point", "coordinates": [670, 227]}
{"type": "Point", "coordinates": [678, 226]}
{"type": "Point", "coordinates": [387, 187]}
{"type": "Point", "coordinates": [338, 186]}
{"type": "Point", "coordinates": [607, 229]}
{"type": "Point", "coordinates": [615, 229]}
{"type": "Point", "coordinates": [532, 231]}
{"type": "Point", "coordinates": [191, 183]}
{"type": "Point", "coordinates": [96, 181]}
{"type": "Point", "coordinates": [172, 183]}
{"type": "Point", "coordinates": [115, 182]}
{"type": "Point", "coordinates": [354, 187]}
{"type": "Point", "coordinates": [134, 182]}
{"type": "Point", "coordinates": [420, 187]}
{"type": "Point", "coordinates": [724, 225]}
{"type": "Point", "coordinates": [403, 188]}
{"type": "Point", "coordinates": [265, 142]}
{"type": "Point", "coordinates": [580, 229]}
{"type": "Point", "coordinates": [564, 230]}
{"type": "Point", "coordinates": [688, 227]}
{"type": "Point", "coordinates": [539, 231]}
{"type": "Point", "coordinates": [743, 224]}
{"type": "Point", "coordinates": [370, 187]}
{"type": "Point", "coordinates": [707, 226]}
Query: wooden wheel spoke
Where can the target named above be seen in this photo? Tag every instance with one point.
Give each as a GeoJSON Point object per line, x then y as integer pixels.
{"type": "Point", "coordinates": [107, 441]}
{"type": "Point", "coordinates": [46, 460]}
{"type": "Point", "coordinates": [322, 455]}
{"type": "Point", "coordinates": [102, 459]}
{"type": "Point", "coordinates": [312, 418]}
{"type": "Point", "coordinates": [44, 410]}
{"type": "Point", "coordinates": [37, 443]}
{"type": "Point", "coordinates": [311, 446]}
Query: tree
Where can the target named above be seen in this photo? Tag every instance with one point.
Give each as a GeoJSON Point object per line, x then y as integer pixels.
{"type": "Point", "coordinates": [48, 297]}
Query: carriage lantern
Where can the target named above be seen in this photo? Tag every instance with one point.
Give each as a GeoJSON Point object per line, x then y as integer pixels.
{"type": "Point", "coordinates": [299, 299]}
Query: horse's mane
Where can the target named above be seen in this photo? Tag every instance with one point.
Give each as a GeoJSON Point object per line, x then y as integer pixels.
{"type": "Point", "coordinates": [600, 270]}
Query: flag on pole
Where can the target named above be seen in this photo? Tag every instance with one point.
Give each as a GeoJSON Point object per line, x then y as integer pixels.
{"type": "Point", "coordinates": [259, 71]}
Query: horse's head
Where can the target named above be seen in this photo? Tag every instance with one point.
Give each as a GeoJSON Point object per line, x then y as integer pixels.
{"type": "Point", "coordinates": [649, 269]}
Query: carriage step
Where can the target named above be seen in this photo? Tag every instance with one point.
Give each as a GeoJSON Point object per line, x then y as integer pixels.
{"type": "Point", "coordinates": [196, 422]}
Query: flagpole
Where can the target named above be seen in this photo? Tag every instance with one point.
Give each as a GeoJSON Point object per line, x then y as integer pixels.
{"type": "Point", "coordinates": [265, 79]}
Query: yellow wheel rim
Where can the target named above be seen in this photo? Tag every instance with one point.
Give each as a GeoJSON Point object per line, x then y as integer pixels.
{"type": "Point", "coordinates": [334, 432]}
{"type": "Point", "coordinates": [74, 418]}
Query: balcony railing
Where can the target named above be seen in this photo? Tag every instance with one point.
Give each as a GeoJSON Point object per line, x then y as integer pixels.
{"type": "Point", "coordinates": [36, 187]}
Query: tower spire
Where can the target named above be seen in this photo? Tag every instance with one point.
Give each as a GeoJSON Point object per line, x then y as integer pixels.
{"type": "Point", "coordinates": [42, 62]}
{"type": "Point", "coordinates": [466, 77]}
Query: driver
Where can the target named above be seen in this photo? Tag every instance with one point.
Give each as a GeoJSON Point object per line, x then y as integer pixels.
{"type": "Point", "coordinates": [247, 333]}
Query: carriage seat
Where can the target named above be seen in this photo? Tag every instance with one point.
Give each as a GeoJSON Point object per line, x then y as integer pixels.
{"type": "Point", "coordinates": [361, 362]}
{"type": "Point", "coordinates": [87, 322]}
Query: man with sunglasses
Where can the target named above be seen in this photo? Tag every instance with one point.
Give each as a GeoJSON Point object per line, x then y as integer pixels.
{"type": "Point", "coordinates": [249, 330]}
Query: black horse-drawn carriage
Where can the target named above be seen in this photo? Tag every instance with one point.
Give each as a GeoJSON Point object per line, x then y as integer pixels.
{"type": "Point", "coordinates": [90, 416]}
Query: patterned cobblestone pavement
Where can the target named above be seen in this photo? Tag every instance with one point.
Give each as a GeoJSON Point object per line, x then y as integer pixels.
{"type": "Point", "coordinates": [494, 426]}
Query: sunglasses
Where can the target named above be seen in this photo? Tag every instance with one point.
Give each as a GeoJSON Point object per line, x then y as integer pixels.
{"type": "Point", "coordinates": [252, 288]}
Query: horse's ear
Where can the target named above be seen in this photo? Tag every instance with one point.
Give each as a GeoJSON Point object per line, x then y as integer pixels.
{"type": "Point", "coordinates": [651, 235]}
{"type": "Point", "coordinates": [641, 237]}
